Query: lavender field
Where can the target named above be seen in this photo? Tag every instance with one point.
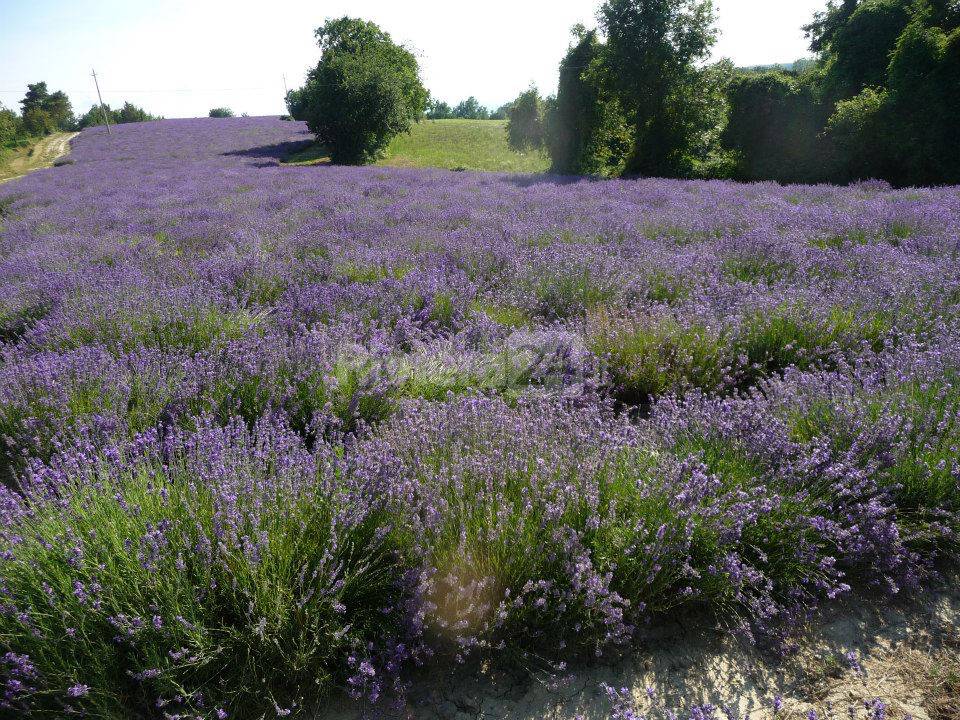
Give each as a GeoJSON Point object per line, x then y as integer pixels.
{"type": "Point", "coordinates": [272, 432]}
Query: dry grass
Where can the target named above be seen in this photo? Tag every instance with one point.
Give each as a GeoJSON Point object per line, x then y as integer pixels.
{"type": "Point", "coordinates": [916, 675]}
{"type": "Point", "coordinates": [937, 675]}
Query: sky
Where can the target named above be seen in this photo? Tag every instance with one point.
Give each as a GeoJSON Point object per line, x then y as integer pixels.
{"type": "Point", "coordinates": [179, 58]}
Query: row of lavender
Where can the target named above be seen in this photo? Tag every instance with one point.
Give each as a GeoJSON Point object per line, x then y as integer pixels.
{"type": "Point", "coordinates": [271, 430]}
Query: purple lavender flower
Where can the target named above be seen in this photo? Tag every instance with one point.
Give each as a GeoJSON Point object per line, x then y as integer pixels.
{"type": "Point", "coordinates": [419, 415]}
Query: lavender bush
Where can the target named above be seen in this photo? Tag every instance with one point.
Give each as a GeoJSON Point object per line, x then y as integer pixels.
{"type": "Point", "coordinates": [271, 431]}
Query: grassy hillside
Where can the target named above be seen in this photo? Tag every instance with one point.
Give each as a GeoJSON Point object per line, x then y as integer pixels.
{"type": "Point", "coordinates": [451, 144]}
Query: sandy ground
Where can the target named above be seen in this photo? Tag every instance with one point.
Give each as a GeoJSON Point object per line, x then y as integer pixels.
{"type": "Point", "coordinates": [39, 156]}
{"type": "Point", "coordinates": [859, 653]}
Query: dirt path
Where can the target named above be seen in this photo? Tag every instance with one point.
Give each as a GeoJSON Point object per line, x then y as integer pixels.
{"type": "Point", "coordinates": [41, 155]}
{"type": "Point", "coordinates": [905, 654]}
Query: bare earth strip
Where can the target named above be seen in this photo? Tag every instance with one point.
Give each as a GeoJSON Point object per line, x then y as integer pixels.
{"type": "Point", "coordinates": [41, 155]}
{"type": "Point", "coordinates": [905, 654]}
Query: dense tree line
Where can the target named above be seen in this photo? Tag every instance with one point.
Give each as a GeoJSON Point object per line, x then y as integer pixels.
{"type": "Point", "coordinates": [129, 113]}
{"type": "Point", "coordinates": [637, 96]}
{"type": "Point", "coordinates": [469, 109]}
{"type": "Point", "coordinates": [44, 112]}
{"type": "Point", "coordinates": [880, 99]}
{"type": "Point", "coordinates": [634, 96]}
{"type": "Point", "coordinates": [41, 113]}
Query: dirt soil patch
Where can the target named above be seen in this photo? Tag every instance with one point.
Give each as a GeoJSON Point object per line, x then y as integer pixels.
{"type": "Point", "coordinates": [905, 654]}
{"type": "Point", "coordinates": [41, 155]}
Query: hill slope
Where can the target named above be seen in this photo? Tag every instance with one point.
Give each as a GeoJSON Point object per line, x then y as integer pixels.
{"type": "Point", "coordinates": [449, 144]}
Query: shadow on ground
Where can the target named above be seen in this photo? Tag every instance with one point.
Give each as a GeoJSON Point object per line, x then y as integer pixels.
{"type": "Point", "coordinates": [525, 181]}
{"type": "Point", "coordinates": [278, 151]}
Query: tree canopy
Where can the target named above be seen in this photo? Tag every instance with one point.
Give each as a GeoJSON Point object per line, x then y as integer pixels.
{"type": "Point", "coordinates": [129, 113]}
{"type": "Point", "coordinates": [44, 112]}
{"type": "Point", "coordinates": [649, 64]}
{"type": "Point", "coordinates": [365, 90]}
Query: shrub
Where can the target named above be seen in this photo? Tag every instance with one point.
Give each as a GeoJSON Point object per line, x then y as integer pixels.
{"type": "Point", "coordinates": [773, 340]}
{"type": "Point", "coordinates": [38, 122]}
{"type": "Point", "coordinates": [11, 129]}
{"type": "Point", "coordinates": [773, 126]}
{"type": "Point", "coordinates": [126, 328]}
{"type": "Point", "coordinates": [647, 357]}
{"type": "Point", "coordinates": [223, 579]}
{"type": "Point", "coordinates": [860, 130]}
{"type": "Point", "coordinates": [365, 90]}
{"type": "Point", "coordinates": [525, 126]}
{"type": "Point", "coordinates": [570, 292]}
{"type": "Point", "coordinates": [221, 112]}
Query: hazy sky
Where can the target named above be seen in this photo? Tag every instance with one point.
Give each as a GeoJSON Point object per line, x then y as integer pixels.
{"type": "Point", "coordinates": [179, 58]}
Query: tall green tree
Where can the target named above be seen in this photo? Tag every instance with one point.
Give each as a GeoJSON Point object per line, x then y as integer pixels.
{"type": "Point", "coordinates": [826, 23]}
{"type": "Point", "coordinates": [501, 112]}
{"type": "Point", "coordinates": [37, 121]}
{"type": "Point", "coordinates": [924, 104]}
{"type": "Point", "coordinates": [130, 113]}
{"type": "Point", "coordinates": [94, 116]}
{"type": "Point", "coordinates": [58, 107]}
{"type": "Point", "coordinates": [587, 130]}
{"type": "Point", "coordinates": [36, 97]}
{"type": "Point", "coordinates": [890, 72]}
{"type": "Point", "coordinates": [651, 56]}
{"type": "Point", "coordinates": [365, 90]}
{"type": "Point", "coordinates": [857, 52]}
{"type": "Point", "coordinates": [44, 112]}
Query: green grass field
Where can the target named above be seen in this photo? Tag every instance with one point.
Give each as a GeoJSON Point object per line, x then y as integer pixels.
{"type": "Point", "coordinates": [450, 144]}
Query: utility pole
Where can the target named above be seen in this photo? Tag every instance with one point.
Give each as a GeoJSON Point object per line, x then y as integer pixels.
{"type": "Point", "coordinates": [285, 91]}
{"type": "Point", "coordinates": [102, 108]}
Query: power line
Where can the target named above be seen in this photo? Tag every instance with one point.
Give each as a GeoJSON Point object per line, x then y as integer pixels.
{"type": "Point", "coordinates": [102, 109]}
{"type": "Point", "coordinates": [198, 90]}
